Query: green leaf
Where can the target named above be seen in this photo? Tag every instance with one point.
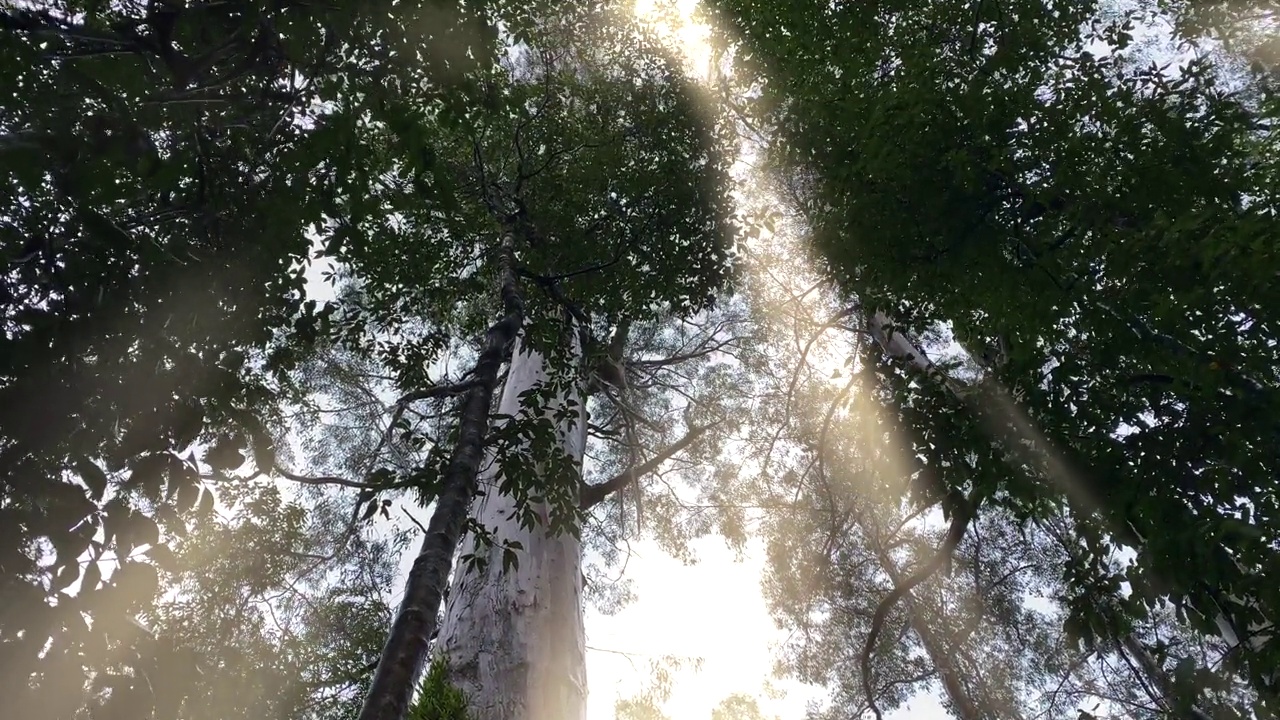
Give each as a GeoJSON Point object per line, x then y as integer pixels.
{"type": "Point", "coordinates": [225, 455]}
{"type": "Point", "coordinates": [67, 574]}
{"type": "Point", "coordinates": [205, 508]}
{"type": "Point", "coordinates": [148, 474]}
{"type": "Point", "coordinates": [139, 581]}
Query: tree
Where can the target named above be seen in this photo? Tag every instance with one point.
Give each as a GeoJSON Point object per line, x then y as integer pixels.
{"type": "Point", "coordinates": [535, 191]}
{"type": "Point", "coordinates": [1028, 182]}
{"type": "Point", "coordinates": [155, 199]}
{"type": "Point", "coordinates": [285, 630]}
{"type": "Point", "coordinates": [164, 165]}
{"type": "Point", "coordinates": [578, 252]}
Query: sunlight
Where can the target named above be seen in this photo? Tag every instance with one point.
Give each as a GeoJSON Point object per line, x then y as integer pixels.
{"type": "Point", "coordinates": [786, 286]}
{"type": "Point", "coordinates": [737, 641]}
{"type": "Point", "coordinates": [674, 22]}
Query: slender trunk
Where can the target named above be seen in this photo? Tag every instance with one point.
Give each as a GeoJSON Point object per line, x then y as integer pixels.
{"type": "Point", "coordinates": [513, 638]}
{"type": "Point", "coordinates": [964, 705]}
{"type": "Point", "coordinates": [1159, 684]}
{"type": "Point", "coordinates": [402, 657]}
{"type": "Point", "coordinates": [1153, 678]}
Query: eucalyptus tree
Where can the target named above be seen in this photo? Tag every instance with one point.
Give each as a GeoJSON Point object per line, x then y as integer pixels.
{"type": "Point", "coordinates": [881, 601]}
{"type": "Point", "coordinates": [561, 179]}
{"type": "Point", "coordinates": [1096, 234]}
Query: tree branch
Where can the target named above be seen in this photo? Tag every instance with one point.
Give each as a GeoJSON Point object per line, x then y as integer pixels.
{"type": "Point", "coordinates": [323, 480]}
{"type": "Point", "coordinates": [956, 531]}
{"type": "Point", "coordinates": [436, 391]}
{"type": "Point", "coordinates": [591, 495]}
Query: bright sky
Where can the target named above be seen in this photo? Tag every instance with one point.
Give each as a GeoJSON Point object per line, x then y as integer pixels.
{"type": "Point", "coordinates": [712, 610]}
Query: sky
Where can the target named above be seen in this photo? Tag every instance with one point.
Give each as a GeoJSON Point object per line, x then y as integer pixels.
{"type": "Point", "coordinates": [712, 610]}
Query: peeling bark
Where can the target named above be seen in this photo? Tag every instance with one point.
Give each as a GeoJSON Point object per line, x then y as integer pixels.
{"type": "Point", "coordinates": [514, 639]}
{"type": "Point", "coordinates": [403, 656]}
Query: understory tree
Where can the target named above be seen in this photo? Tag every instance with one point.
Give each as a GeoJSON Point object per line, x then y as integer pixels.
{"type": "Point", "coordinates": [157, 188]}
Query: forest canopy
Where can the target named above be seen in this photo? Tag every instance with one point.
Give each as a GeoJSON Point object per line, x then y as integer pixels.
{"type": "Point", "coordinates": [350, 350]}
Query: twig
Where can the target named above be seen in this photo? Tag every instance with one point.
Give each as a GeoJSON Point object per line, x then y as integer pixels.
{"type": "Point", "coordinates": [414, 520]}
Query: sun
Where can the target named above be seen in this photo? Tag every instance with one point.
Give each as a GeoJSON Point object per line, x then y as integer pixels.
{"type": "Point", "coordinates": [675, 22]}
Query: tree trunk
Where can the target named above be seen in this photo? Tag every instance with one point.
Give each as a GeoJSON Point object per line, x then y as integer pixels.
{"type": "Point", "coordinates": [513, 638]}
{"type": "Point", "coordinates": [964, 705]}
{"type": "Point", "coordinates": [400, 665]}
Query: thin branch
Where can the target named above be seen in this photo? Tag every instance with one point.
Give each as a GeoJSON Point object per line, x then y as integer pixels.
{"type": "Point", "coordinates": [591, 495]}
{"type": "Point", "coordinates": [325, 480]}
{"type": "Point", "coordinates": [414, 520]}
{"type": "Point", "coordinates": [703, 351]}
{"type": "Point", "coordinates": [436, 391]}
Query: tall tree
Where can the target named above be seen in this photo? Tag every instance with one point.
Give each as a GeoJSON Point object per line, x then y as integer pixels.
{"type": "Point", "coordinates": [1030, 179]}
{"type": "Point", "coordinates": [565, 189]}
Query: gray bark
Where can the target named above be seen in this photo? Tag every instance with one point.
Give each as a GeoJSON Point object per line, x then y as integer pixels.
{"type": "Point", "coordinates": [400, 665]}
{"type": "Point", "coordinates": [1160, 685]}
{"type": "Point", "coordinates": [899, 346]}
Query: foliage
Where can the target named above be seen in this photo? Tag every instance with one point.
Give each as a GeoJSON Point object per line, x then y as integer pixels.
{"type": "Point", "coordinates": [163, 168]}
{"type": "Point", "coordinates": [1096, 234]}
{"type": "Point", "coordinates": [990, 169]}
{"type": "Point", "coordinates": [283, 631]}
{"type": "Point", "coordinates": [647, 704]}
{"type": "Point", "coordinates": [156, 194]}
{"type": "Point", "coordinates": [437, 699]}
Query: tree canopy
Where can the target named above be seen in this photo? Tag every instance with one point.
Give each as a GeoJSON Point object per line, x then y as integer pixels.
{"type": "Point", "coordinates": [964, 310]}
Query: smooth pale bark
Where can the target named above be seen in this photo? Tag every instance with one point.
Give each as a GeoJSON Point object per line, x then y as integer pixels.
{"type": "Point", "coordinates": [514, 639]}
{"type": "Point", "coordinates": [897, 345]}
{"type": "Point", "coordinates": [403, 656]}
